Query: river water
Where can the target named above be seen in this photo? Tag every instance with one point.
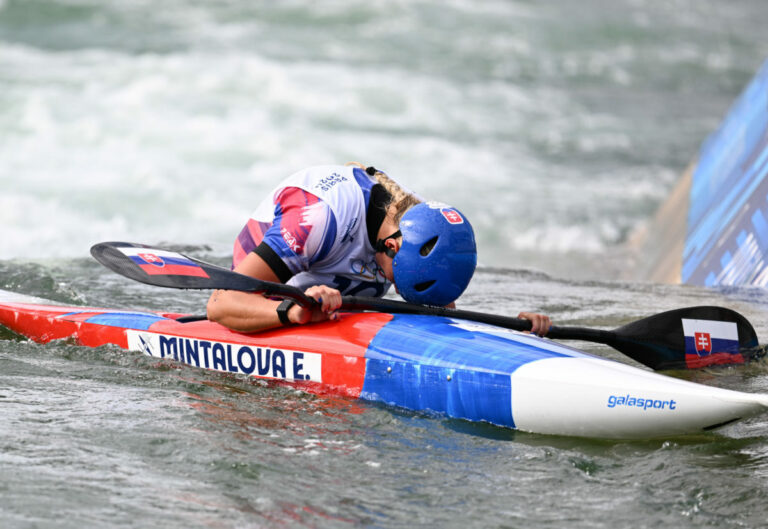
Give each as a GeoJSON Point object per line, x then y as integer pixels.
{"type": "Point", "coordinates": [557, 127]}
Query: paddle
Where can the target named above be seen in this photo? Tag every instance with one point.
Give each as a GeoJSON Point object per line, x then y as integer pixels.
{"type": "Point", "coordinates": [683, 338]}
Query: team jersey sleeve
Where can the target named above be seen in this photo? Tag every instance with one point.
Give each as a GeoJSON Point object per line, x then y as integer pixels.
{"type": "Point", "coordinates": [302, 233]}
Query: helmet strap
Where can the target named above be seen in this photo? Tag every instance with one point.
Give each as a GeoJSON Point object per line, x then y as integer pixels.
{"type": "Point", "coordinates": [381, 247]}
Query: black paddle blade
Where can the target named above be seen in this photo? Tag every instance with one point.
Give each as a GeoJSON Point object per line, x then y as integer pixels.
{"type": "Point", "coordinates": [688, 338]}
{"type": "Point", "coordinates": [153, 266]}
{"type": "Point", "coordinates": [166, 268]}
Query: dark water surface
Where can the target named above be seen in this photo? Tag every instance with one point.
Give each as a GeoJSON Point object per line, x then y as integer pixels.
{"type": "Point", "coordinates": [107, 438]}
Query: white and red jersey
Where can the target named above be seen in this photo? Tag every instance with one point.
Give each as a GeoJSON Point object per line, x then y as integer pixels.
{"type": "Point", "coordinates": [315, 223]}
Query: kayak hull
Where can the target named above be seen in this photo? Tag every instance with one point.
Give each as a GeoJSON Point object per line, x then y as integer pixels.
{"type": "Point", "coordinates": [440, 365]}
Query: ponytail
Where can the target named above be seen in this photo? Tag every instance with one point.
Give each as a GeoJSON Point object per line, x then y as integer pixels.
{"type": "Point", "coordinates": [401, 199]}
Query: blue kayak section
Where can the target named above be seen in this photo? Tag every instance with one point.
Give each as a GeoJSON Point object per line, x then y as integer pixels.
{"type": "Point", "coordinates": [429, 363]}
{"type": "Point", "coordinates": [727, 233]}
{"type": "Point", "coordinates": [140, 321]}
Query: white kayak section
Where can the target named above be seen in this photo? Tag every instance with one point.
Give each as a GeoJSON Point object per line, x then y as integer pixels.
{"type": "Point", "coordinates": [484, 373]}
{"type": "Point", "coordinates": [601, 398]}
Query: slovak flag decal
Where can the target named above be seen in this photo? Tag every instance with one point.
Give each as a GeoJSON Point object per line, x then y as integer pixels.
{"type": "Point", "coordinates": [711, 342]}
{"type": "Point", "coordinates": [162, 262]}
{"type": "Point", "coordinates": [152, 259]}
{"type": "Point", "coordinates": [703, 342]}
{"type": "Point", "coordinates": [452, 216]}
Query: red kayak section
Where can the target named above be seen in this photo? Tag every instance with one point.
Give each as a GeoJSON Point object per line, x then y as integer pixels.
{"type": "Point", "coordinates": [343, 344]}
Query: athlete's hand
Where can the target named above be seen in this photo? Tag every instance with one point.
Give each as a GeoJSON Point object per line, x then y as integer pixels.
{"type": "Point", "coordinates": [329, 301]}
{"type": "Point", "coordinates": [540, 323]}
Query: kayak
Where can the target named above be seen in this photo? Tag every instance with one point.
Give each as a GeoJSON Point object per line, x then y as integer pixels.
{"type": "Point", "coordinates": [440, 365]}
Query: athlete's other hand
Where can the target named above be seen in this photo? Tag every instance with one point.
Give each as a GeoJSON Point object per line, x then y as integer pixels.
{"type": "Point", "coordinates": [540, 323]}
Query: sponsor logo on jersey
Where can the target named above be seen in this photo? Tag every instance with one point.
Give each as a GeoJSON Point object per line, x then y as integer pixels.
{"type": "Point", "coordinates": [327, 183]}
{"type": "Point", "coordinates": [348, 235]}
{"type": "Point", "coordinates": [266, 362]}
{"type": "Point", "coordinates": [291, 240]}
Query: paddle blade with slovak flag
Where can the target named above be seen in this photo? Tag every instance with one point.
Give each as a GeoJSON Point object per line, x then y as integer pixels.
{"type": "Point", "coordinates": [166, 268]}
{"type": "Point", "coordinates": [689, 338]}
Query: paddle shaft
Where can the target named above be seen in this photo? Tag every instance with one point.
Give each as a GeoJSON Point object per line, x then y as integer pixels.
{"type": "Point", "coordinates": [658, 341]}
{"type": "Point", "coordinates": [518, 324]}
{"type": "Point", "coordinates": [166, 268]}
{"type": "Point", "coordinates": [582, 333]}
{"type": "Point", "coordinates": [355, 303]}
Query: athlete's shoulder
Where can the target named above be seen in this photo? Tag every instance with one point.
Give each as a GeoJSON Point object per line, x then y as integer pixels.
{"type": "Point", "coordinates": [332, 180]}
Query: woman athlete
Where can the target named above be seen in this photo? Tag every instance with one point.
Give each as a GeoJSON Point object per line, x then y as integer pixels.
{"type": "Point", "coordinates": [348, 230]}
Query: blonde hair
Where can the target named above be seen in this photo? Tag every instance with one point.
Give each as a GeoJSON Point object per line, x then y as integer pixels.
{"type": "Point", "coordinates": [401, 199]}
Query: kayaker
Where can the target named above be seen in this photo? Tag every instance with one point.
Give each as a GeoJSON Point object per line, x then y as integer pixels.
{"type": "Point", "coordinates": [348, 230]}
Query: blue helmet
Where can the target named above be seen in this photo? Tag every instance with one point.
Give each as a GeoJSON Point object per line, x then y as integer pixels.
{"type": "Point", "coordinates": [437, 256]}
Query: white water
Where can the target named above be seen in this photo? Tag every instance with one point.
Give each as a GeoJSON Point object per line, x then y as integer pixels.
{"type": "Point", "coordinates": [556, 129]}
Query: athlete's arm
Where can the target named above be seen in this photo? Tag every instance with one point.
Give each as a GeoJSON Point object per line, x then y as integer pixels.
{"type": "Point", "coordinates": [248, 312]}
{"type": "Point", "coordinates": [298, 235]}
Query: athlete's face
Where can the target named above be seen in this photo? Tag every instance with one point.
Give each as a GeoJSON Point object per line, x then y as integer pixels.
{"type": "Point", "coordinates": [385, 262]}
